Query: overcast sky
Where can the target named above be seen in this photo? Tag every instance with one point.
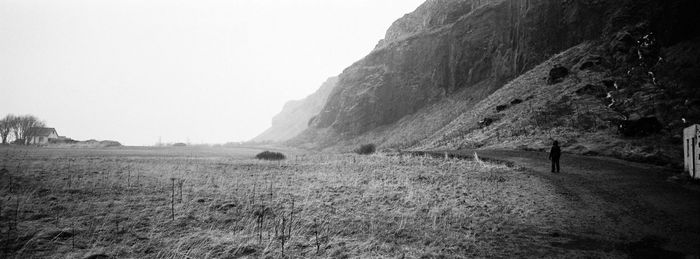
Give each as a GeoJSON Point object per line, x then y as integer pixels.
{"type": "Point", "coordinates": [204, 71]}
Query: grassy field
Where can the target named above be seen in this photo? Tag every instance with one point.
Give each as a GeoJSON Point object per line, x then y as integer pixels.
{"type": "Point", "coordinates": [222, 203]}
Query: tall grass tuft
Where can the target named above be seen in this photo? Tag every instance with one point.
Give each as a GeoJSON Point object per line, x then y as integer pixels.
{"type": "Point", "coordinates": [478, 160]}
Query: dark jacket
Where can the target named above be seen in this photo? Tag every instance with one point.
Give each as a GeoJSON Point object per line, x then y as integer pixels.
{"type": "Point", "coordinates": [555, 153]}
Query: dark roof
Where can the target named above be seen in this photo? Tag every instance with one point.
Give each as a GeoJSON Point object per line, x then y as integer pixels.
{"type": "Point", "coordinates": [41, 132]}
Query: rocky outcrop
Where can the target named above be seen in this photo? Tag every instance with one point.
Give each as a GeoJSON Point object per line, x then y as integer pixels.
{"type": "Point", "coordinates": [295, 115]}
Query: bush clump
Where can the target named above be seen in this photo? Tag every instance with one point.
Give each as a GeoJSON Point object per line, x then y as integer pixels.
{"type": "Point", "coordinates": [366, 149]}
{"type": "Point", "coordinates": [267, 155]}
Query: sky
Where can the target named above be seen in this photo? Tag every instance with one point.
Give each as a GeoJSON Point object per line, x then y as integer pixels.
{"type": "Point", "coordinates": [199, 71]}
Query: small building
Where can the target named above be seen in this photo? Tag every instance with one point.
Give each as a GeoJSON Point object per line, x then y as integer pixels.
{"type": "Point", "coordinates": [41, 136]}
{"type": "Point", "coordinates": [691, 150]}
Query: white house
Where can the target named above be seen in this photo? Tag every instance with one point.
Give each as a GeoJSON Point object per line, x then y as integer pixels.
{"type": "Point", "coordinates": [41, 136]}
{"type": "Point", "coordinates": [691, 150]}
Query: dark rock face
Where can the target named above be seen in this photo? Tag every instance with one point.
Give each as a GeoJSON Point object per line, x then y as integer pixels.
{"type": "Point", "coordinates": [639, 128]}
{"type": "Point", "coordinates": [653, 66]}
{"type": "Point", "coordinates": [485, 122]}
{"type": "Point", "coordinates": [449, 46]}
{"type": "Point", "coordinates": [557, 74]}
{"type": "Point", "coordinates": [297, 115]}
{"type": "Point", "coordinates": [599, 91]}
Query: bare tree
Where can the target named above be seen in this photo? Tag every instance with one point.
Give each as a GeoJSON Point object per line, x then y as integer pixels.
{"type": "Point", "coordinates": [14, 123]}
{"type": "Point", "coordinates": [24, 124]}
{"type": "Point", "coordinates": [6, 126]}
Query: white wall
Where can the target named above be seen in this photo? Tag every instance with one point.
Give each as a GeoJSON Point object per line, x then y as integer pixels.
{"type": "Point", "coordinates": [691, 150]}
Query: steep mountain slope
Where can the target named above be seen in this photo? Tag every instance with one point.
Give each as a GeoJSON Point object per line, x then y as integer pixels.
{"type": "Point", "coordinates": [609, 66]}
{"type": "Point", "coordinates": [295, 115]}
{"type": "Point", "coordinates": [447, 46]}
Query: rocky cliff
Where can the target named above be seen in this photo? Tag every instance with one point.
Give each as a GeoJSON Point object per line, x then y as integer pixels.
{"type": "Point", "coordinates": [296, 115]}
{"type": "Point", "coordinates": [447, 61]}
{"type": "Point", "coordinates": [447, 46]}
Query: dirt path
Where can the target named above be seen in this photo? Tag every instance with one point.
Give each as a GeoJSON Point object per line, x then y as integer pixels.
{"type": "Point", "coordinates": [631, 203]}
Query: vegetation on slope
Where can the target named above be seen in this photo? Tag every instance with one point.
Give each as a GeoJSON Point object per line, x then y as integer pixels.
{"type": "Point", "coordinates": [619, 99]}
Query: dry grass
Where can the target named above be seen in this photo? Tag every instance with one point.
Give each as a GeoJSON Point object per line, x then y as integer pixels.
{"type": "Point", "coordinates": [77, 202]}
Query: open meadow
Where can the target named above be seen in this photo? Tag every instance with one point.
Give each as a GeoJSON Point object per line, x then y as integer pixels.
{"type": "Point", "coordinates": [223, 203]}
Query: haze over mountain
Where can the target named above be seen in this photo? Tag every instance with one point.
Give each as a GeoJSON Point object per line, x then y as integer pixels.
{"type": "Point", "coordinates": [518, 74]}
{"type": "Point", "coordinates": [296, 115]}
{"type": "Point", "coordinates": [200, 71]}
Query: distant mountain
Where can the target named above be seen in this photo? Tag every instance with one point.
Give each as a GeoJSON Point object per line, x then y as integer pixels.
{"type": "Point", "coordinates": [295, 115]}
{"type": "Point", "coordinates": [611, 77]}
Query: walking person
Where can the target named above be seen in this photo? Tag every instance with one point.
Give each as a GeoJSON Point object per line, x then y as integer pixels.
{"type": "Point", "coordinates": [554, 155]}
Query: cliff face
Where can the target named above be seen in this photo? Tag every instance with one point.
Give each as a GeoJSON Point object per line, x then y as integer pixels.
{"type": "Point", "coordinates": [295, 115]}
{"type": "Point", "coordinates": [612, 77]}
{"type": "Point", "coordinates": [430, 15]}
{"type": "Point", "coordinates": [448, 46]}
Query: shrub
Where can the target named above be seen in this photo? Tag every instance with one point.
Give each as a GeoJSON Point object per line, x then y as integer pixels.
{"type": "Point", "coordinates": [267, 155]}
{"type": "Point", "coordinates": [366, 149]}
